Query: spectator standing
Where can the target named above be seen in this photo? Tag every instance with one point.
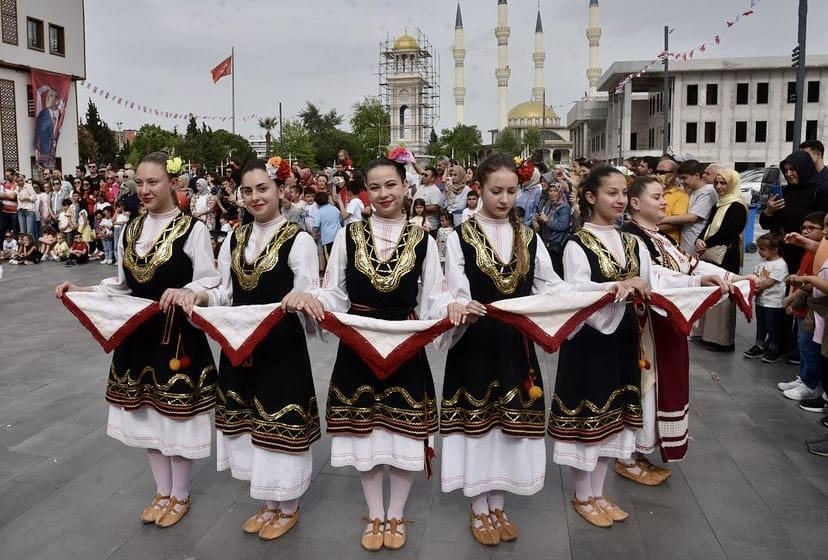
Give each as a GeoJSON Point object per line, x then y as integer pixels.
{"type": "Point", "coordinates": [677, 200]}
{"type": "Point", "coordinates": [430, 193]}
{"type": "Point", "coordinates": [8, 195]}
{"type": "Point", "coordinates": [702, 200]}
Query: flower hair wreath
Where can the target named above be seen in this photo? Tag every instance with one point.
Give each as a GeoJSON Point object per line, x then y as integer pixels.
{"type": "Point", "coordinates": [401, 154]}
{"type": "Point", "coordinates": [175, 166]}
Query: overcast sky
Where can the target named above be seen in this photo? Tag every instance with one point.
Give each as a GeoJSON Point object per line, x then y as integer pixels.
{"type": "Point", "coordinates": [326, 51]}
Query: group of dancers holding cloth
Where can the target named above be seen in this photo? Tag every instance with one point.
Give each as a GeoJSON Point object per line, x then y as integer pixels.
{"type": "Point", "coordinates": [616, 398]}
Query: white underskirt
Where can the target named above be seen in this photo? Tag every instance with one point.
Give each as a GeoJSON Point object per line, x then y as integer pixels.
{"type": "Point", "coordinates": [380, 447]}
{"type": "Point", "coordinates": [584, 456]}
{"type": "Point", "coordinates": [493, 461]}
{"type": "Point", "coordinates": [646, 437]}
{"type": "Point", "coordinates": [148, 428]}
{"type": "Point", "coordinates": [273, 475]}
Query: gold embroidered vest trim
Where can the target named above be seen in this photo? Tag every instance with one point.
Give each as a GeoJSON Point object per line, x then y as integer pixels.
{"type": "Point", "coordinates": [143, 268]}
{"type": "Point", "coordinates": [385, 275]}
{"type": "Point", "coordinates": [248, 275]}
{"type": "Point", "coordinates": [505, 276]}
{"type": "Point", "coordinates": [610, 267]}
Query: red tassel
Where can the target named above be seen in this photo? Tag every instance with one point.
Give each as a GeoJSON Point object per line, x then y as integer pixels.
{"type": "Point", "coordinates": [429, 455]}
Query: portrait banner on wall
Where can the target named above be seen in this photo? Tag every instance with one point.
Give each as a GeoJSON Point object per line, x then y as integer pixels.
{"type": "Point", "coordinates": [51, 93]}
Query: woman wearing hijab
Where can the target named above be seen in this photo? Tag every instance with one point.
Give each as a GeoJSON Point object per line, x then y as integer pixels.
{"type": "Point", "coordinates": [455, 192]}
{"type": "Point", "coordinates": [720, 243]}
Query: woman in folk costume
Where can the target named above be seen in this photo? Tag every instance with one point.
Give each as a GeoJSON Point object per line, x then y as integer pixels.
{"type": "Point", "coordinates": [492, 411]}
{"type": "Point", "coordinates": [162, 382]}
{"type": "Point", "coordinates": [721, 243]}
{"type": "Point", "coordinates": [267, 415]}
{"type": "Point", "coordinates": [671, 269]}
{"type": "Point", "coordinates": [374, 271]}
{"type": "Point", "coordinates": [596, 408]}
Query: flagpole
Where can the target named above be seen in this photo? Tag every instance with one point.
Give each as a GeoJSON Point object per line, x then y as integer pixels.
{"type": "Point", "coordinates": [233, 85]}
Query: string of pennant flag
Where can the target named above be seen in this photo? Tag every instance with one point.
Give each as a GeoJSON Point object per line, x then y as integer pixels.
{"type": "Point", "coordinates": [141, 108]}
{"type": "Point", "coordinates": [685, 55]}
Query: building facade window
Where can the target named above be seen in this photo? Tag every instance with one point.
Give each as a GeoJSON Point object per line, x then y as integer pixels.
{"type": "Point", "coordinates": [651, 139]}
{"type": "Point", "coordinates": [789, 126]}
{"type": "Point", "coordinates": [691, 133]}
{"type": "Point", "coordinates": [34, 33]}
{"type": "Point", "coordinates": [741, 131]}
{"type": "Point", "coordinates": [762, 93]}
{"type": "Point", "coordinates": [813, 92]}
{"type": "Point", "coordinates": [30, 100]}
{"type": "Point", "coordinates": [8, 21]}
{"type": "Point", "coordinates": [742, 93]}
{"type": "Point", "coordinates": [8, 125]}
{"type": "Point", "coordinates": [791, 92]}
{"type": "Point", "coordinates": [692, 94]}
{"type": "Point", "coordinates": [760, 131]}
{"type": "Point", "coordinates": [57, 40]}
{"type": "Point", "coordinates": [811, 130]}
{"type": "Point", "coordinates": [709, 132]}
{"type": "Point", "coordinates": [633, 140]}
{"type": "Point", "coordinates": [712, 94]}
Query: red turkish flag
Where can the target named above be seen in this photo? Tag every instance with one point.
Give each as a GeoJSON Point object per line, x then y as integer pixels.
{"type": "Point", "coordinates": [224, 68]}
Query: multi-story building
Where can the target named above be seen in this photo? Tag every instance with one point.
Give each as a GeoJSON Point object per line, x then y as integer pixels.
{"type": "Point", "coordinates": [737, 111]}
{"type": "Point", "coordinates": [44, 35]}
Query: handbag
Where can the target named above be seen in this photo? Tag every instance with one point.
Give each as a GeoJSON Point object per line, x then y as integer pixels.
{"type": "Point", "coordinates": [715, 254]}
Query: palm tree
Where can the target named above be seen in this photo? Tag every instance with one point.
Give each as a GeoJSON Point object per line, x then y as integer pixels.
{"type": "Point", "coordinates": [268, 124]}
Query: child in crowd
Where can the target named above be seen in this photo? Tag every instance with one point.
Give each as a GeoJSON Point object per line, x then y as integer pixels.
{"type": "Point", "coordinates": [446, 227]}
{"type": "Point", "coordinates": [103, 231]}
{"type": "Point", "coordinates": [418, 214]}
{"type": "Point", "coordinates": [472, 202]}
{"type": "Point", "coordinates": [96, 248]}
{"type": "Point", "coordinates": [225, 224]}
{"type": "Point", "coordinates": [46, 241]}
{"type": "Point", "coordinates": [78, 252]}
{"type": "Point", "coordinates": [60, 252]}
{"type": "Point", "coordinates": [770, 294]}
{"type": "Point", "coordinates": [9, 246]}
{"type": "Point", "coordinates": [120, 220]}
{"type": "Point", "coordinates": [27, 252]}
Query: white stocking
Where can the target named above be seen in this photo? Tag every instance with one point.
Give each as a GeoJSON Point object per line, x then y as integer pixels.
{"type": "Point", "coordinates": [480, 504]}
{"type": "Point", "coordinates": [496, 500]}
{"type": "Point", "coordinates": [401, 481]}
{"type": "Point", "coordinates": [161, 471]}
{"type": "Point", "coordinates": [182, 468]}
{"type": "Point", "coordinates": [599, 475]}
{"type": "Point", "coordinates": [372, 488]}
{"type": "Point", "coordinates": [583, 486]}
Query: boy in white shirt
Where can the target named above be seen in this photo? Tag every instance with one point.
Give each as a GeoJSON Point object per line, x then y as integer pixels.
{"type": "Point", "coordinates": [472, 206]}
{"type": "Point", "coordinates": [9, 246]}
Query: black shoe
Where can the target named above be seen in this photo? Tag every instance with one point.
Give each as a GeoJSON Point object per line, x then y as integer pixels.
{"type": "Point", "coordinates": [817, 404]}
{"type": "Point", "coordinates": [755, 351]}
{"type": "Point", "coordinates": [771, 356]}
{"type": "Point", "coordinates": [824, 421]}
{"type": "Point", "coordinates": [792, 358]}
{"type": "Point", "coordinates": [713, 347]}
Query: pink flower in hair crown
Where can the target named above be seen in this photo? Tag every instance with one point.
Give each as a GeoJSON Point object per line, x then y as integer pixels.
{"type": "Point", "coordinates": [401, 154]}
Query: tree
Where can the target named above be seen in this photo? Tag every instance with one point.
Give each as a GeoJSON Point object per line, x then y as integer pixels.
{"type": "Point", "coordinates": [151, 138]}
{"type": "Point", "coordinates": [107, 148]}
{"type": "Point", "coordinates": [371, 130]}
{"type": "Point", "coordinates": [434, 148]}
{"type": "Point", "coordinates": [531, 139]}
{"type": "Point", "coordinates": [508, 142]}
{"type": "Point", "coordinates": [297, 142]}
{"type": "Point", "coordinates": [463, 141]}
{"type": "Point", "coordinates": [317, 123]}
{"type": "Point", "coordinates": [87, 147]}
{"type": "Point", "coordinates": [268, 124]}
{"type": "Point", "coordinates": [326, 138]}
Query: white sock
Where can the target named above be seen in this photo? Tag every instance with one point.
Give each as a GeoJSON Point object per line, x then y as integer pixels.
{"type": "Point", "coordinates": [182, 469]}
{"type": "Point", "coordinates": [496, 500]}
{"type": "Point", "coordinates": [480, 504]}
{"type": "Point", "coordinates": [598, 476]}
{"type": "Point", "coordinates": [271, 506]}
{"type": "Point", "coordinates": [372, 489]}
{"type": "Point", "coordinates": [583, 485]}
{"type": "Point", "coordinates": [289, 506]}
{"type": "Point", "coordinates": [401, 481]}
{"type": "Point", "coordinates": [161, 471]}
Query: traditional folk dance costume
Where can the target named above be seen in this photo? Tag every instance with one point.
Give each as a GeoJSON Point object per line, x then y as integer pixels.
{"type": "Point", "coordinates": [153, 405]}
{"type": "Point", "coordinates": [492, 429]}
{"type": "Point", "coordinates": [267, 416]}
{"type": "Point", "coordinates": [373, 271]}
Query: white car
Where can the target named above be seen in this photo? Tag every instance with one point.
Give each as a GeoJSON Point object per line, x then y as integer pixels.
{"type": "Point", "coordinates": [751, 184]}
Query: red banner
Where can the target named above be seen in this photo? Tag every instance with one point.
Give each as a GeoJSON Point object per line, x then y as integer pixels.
{"type": "Point", "coordinates": [224, 68]}
{"type": "Point", "coordinates": [51, 93]}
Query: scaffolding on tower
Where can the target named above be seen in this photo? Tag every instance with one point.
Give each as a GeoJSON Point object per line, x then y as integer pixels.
{"type": "Point", "coordinates": [409, 88]}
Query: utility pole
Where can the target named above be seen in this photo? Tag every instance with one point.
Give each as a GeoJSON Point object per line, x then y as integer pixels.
{"type": "Point", "coordinates": [798, 62]}
{"type": "Point", "coordinates": [281, 132]}
{"type": "Point", "coordinates": [665, 96]}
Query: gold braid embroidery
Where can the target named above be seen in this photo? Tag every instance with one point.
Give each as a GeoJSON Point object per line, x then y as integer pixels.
{"type": "Point", "coordinates": [606, 260]}
{"type": "Point", "coordinates": [143, 268]}
{"type": "Point", "coordinates": [266, 260]}
{"type": "Point", "coordinates": [385, 276]}
{"type": "Point", "coordinates": [505, 276]}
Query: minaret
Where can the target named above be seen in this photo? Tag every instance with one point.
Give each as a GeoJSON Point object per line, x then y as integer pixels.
{"type": "Point", "coordinates": [593, 34]}
{"type": "Point", "coordinates": [538, 57]}
{"type": "Point", "coordinates": [502, 72]}
{"type": "Point", "coordinates": [459, 78]}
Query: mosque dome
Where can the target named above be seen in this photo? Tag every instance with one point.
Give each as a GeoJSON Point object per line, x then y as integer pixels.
{"type": "Point", "coordinates": [406, 43]}
{"type": "Point", "coordinates": [531, 110]}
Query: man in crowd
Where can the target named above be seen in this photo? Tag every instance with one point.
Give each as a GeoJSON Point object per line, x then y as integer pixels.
{"type": "Point", "coordinates": [702, 199]}
{"type": "Point", "coordinates": [430, 193]}
{"type": "Point", "coordinates": [678, 201]}
{"type": "Point", "coordinates": [646, 166]}
{"type": "Point", "coordinates": [816, 150]}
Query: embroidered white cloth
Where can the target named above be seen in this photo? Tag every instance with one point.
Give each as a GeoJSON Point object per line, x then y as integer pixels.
{"type": "Point", "coordinates": [238, 330]}
{"type": "Point", "coordinates": [109, 318]}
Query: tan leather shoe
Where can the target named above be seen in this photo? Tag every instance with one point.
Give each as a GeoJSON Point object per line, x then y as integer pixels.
{"type": "Point", "coordinates": [486, 534]}
{"type": "Point", "coordinates": [506, 529]}
{"type": "Point", "coordinates": [373, 538]}
{"type": "Point", "coordinates": [272, 529]}
{"type": "Point", "coordinates": [615, 512]}
{"type": "Point", "coordinates": [254, 524]}
{"type": "Point", "coordinates": [633, 471]}
{"type": "Point", "coordinates": [662, 472]}
{"type": "Point", "coordinates": [393, 538]}
{"type": "Point", "coordinates": [154, 510]}
{"type": "Point", "coordinates": [171, 515]}
{"type": "Point", "coordinates": [590, 511]}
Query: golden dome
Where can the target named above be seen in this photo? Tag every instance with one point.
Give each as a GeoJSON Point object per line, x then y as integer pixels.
{"type": "Point", "coordinates": [406, 43]}
{"type": "Point", "coordinates": [531, 110]}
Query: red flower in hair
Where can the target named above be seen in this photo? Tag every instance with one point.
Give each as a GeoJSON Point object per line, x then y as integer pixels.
{"type": "Point", "coordinates": [283, 171]}
{"type": "Point", "coordinates": [525, 171]}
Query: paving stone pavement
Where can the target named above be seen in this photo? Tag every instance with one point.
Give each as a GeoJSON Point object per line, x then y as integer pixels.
{"type": "Point", "coordinates": [748, 488]}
